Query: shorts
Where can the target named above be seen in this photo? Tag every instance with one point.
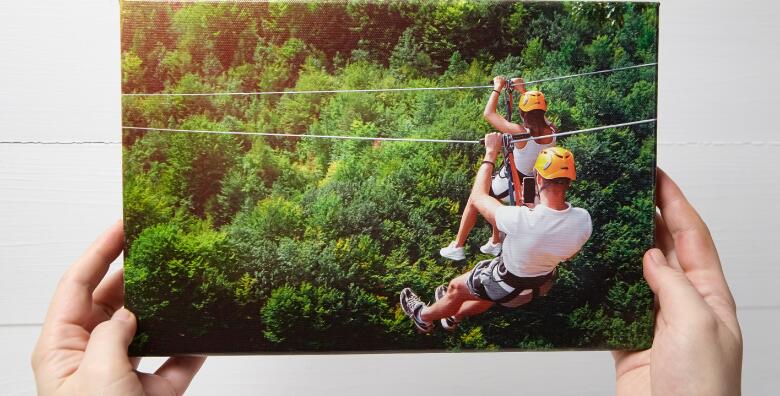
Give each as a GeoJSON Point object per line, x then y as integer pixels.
{"type": "Point", "coordinates": [499, 186]}
{"type": "Point", "coordinates": [490, 281]}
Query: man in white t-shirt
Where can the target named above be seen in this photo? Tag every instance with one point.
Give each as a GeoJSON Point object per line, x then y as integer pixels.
{"type": "Point", "coordinates": [536, 241]}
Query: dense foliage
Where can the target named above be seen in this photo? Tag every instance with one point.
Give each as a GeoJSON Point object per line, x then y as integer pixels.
{"type": "Point", "coordinates": [245, 243]}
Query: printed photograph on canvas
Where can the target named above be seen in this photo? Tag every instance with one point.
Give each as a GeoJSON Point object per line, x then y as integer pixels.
{"type": "Point", "coordinates": [379, 176]}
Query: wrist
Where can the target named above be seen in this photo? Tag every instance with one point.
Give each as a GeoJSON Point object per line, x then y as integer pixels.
{"type": "Point", "coordinates": [490, 157]}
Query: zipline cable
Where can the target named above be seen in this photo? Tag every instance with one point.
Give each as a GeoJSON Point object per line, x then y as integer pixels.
{"type": "Point", "coordinates": [335, 91]}
{"type": "Point", "coordinates": [625, 124]}
{"type": "Point", "coordinates": [293, 135]}
{"type": "Point", "coordinates": [390, 139]}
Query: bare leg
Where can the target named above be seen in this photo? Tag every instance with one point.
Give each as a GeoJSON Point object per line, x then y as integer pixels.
{"type": "Point", "coordinates": [457, 294]}
{"type": "Point", "coordinates": [471, 308]}
{"type": "Point", "coordinates": [467, 222]}
{"type": "Point", "coordinates": [496, 235]}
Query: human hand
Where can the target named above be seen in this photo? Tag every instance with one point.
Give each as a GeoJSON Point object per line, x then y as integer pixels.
{"type": "Point", "coordinates": [82, 349]}
{"type": "Point", "coordinates": [697, 349]}
{"type": "Point", "coordinates": [493, 143]}
{"type": "Point", "coordinates": [499, 82]}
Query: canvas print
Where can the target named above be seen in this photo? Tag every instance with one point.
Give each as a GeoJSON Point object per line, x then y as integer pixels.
{"type": "Point", "coordinates": [364, 176]}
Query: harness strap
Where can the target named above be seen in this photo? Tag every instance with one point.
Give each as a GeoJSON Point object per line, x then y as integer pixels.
{"type": "Point", "coordinates": [522, 283]}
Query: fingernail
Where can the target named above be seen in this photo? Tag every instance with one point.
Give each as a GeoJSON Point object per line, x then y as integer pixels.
{"type": "Point", "coordinates": [123, 314]}
{"type": "Point", "coordinates": [657, 257]}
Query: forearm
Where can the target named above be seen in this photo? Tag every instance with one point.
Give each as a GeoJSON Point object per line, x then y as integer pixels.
{"type": "Point", "coordinates": [482, 182]}
{"type": "Point", "coordinates": [490, 113]}
{"type": "Point", "coordinates": [480, 192]}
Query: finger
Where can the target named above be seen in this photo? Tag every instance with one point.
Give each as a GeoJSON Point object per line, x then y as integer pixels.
{"type": "Point", "coordinates": [107, 298]}
{"type": "Point", "coordinates": [678, 299]}
{"type": "Point", "coordinates": [156, 386]}
{"type": "Point", "coordinates": [108, 343]}
{"type": "Point", "coordinates": [72, 302]}
{"type": "Point", "coordinates": [664, 241]}
{"type": "Point", "coordinates": [180, 370]}
{"type": "Point", "coordinates": [686, 227]}
{"type": "Point", "coordinates": [693, 245]}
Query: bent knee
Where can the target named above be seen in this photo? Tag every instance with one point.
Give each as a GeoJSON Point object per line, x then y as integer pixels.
{"type": "Point", "coordinates": [457, 287]}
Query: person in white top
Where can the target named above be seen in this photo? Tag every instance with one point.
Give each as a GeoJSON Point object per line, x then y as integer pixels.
{"type": "Point", "coordinates": [536, 241]}
{"type": "Point", "coordinates": [533, 107]}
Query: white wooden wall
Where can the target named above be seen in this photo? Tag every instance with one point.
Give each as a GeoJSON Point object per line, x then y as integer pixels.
{"type": "Point", "coordinates": [60, 82]}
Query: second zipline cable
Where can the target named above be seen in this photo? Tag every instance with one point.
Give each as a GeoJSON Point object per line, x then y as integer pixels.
{"type": "Point", "coordinates": [390, 139]}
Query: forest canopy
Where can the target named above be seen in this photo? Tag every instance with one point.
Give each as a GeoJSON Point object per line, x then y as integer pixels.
{"type": "Point", "coordinates": [248, 243]}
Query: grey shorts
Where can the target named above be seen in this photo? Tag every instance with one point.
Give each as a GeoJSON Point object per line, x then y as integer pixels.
{"type": "Point", "coordinates": [487, 282]}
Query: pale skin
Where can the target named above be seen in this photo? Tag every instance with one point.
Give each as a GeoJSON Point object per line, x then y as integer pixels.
{"type": "Point", "coordinates": [459, 302]}
{"type": "Point", "coordinates": [469, 218]}
{"type": "Point", "coordinates": [697, 348]}
{"type": "Point", "coordinates": [82, 349]}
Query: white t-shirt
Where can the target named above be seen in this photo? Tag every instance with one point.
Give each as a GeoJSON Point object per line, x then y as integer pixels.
{"type": "Point", "coordinates": [538, 239]}
{"type": "Point", "coordinates": [525, 158]}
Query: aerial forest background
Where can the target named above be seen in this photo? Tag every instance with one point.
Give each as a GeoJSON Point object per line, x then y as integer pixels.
{"type": "Point", "coordinates": [268, 244]}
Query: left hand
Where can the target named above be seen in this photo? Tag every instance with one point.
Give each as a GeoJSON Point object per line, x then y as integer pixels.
{"type": "Point", "coordinates": [493, 143]}
{"type": "Point", "coordinates": [82, 349]}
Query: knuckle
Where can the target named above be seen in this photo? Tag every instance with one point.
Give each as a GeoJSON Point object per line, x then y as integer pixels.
{"type": "Point", "coordinates": [104, 327]}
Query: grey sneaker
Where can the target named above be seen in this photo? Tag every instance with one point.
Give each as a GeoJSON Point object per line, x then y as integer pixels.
{"type": "Point", "coordinates": [412, 305]}
{"type": "Point", "coordinates": [448, 323]}
{"type": "Point", "coordinates": [452, 252]}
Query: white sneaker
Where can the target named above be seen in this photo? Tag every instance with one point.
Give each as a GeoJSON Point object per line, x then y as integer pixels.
{"type": "Point", "coordinates": [453, 253]}
{"type": "Point", "coordinates": [491, 248]}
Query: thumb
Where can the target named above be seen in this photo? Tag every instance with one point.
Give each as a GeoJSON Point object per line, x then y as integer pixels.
{"type": "Point", "coordinates": [677, 297]}
{"type": "Point", "coordinates": [108, 343]}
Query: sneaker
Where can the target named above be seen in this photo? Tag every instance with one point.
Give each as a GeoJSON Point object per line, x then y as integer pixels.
{"type": "Point", "coordinates": [491, 248]}
{"type": "Point", "coordinates": [453, 253]}
{"type": "Point", "coordinates": [448, 323]}
{"type": "Point", "coordinates": [412, 305]}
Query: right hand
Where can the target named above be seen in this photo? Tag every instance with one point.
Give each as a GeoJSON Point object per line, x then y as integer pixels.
{"type": "Point", "coordinates": [499, 82]}
{"type": "Point", "coordinates": [493, 143]}
{"type": "Point", "coordinates": [697, 348]}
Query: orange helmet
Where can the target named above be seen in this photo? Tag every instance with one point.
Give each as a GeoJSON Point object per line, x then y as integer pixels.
{"type": "Point", "coordinates": [555, 162]}
{"type": "Point", "coordinates": [532, 100]}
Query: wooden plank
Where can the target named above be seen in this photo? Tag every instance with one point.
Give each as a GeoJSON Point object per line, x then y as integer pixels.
{"type": "Point", "coordinates": [55, 199]}
{"type": "Point", "coordinates": [711, 72]}
{"type": "Point", "coordinates": [60, 74]}
{"type": "Point", "coordinates": [556, 373]}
